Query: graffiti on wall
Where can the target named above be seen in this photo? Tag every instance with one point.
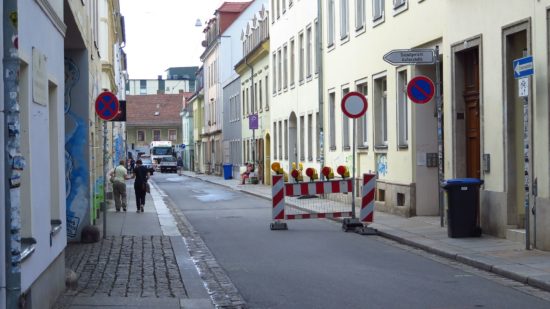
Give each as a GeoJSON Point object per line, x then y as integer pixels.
{"type": "Point", "coordinates": [76, 164]}
{"type": "Point", "coordinates": [382, 164]}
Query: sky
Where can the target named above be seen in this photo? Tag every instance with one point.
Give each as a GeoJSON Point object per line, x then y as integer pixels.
{"type": "Point", "coordinates": [162, 34]}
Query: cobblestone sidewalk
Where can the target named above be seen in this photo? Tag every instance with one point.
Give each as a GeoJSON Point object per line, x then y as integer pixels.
{"type": "Point", "coordinates": [126, 266]}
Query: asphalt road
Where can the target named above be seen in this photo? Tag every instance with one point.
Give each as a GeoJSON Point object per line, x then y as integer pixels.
{"type": "Point", "coordinates": [315, 264]}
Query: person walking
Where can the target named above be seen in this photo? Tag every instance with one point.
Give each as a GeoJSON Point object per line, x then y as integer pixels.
{"type": "Point", "coordinates": [141, 174]}
{"type": "Point", "coordinates": [120, 175]}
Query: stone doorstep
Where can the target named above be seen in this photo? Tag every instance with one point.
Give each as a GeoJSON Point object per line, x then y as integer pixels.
{"type": "Point", "coordinates": [516, 235]}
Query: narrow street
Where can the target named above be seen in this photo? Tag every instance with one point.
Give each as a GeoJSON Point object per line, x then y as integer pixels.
{"type": "Point", "coordinates": [316, 265]}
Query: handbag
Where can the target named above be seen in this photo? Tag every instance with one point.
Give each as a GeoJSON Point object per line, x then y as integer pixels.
{"type": "Point", "coordinates": [112, 177]}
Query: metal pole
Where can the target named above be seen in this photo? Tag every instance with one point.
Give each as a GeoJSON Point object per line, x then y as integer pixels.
{"type": "Point", "coordinates": [319, 61]}
{"type": "Point", "coordinates": [353, 171]}
{"type": "Point", "coordinates": [12, 139]}
{"type": "Point", "coordinates": [439, 105]}
{"type": "Point", "coordinates": [105, 172]}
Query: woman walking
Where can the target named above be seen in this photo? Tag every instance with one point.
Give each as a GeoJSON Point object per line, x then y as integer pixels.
{"type": "Point", "coordinates": [140, 184]}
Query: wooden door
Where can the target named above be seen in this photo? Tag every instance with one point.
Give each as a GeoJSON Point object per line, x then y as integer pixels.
{"type": "Point", "coordinates": [471, 102]}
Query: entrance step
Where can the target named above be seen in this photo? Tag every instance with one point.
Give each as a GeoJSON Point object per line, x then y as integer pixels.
{"type": "Point", "coordinates": [517, 235]}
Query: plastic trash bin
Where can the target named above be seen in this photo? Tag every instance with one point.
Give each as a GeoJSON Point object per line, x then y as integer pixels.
{"type": "Point", "coordinates": [463, 207]}
{"type": "Point", "coordinates": [227, 171]}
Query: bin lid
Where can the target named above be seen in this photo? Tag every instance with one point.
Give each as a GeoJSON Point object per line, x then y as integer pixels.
{"type": "Point", "coordinates": [463, 181]}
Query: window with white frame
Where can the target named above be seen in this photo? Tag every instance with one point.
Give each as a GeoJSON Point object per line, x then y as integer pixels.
{"type": "Point", "coordinates": [280, 69]}
{"type": "Point", "coordinates": [266, 96]}
{"type": "Point", "coordinates": [332, 120]}
{"type": "Point", "coordinates": [398, 3]}
{"type": "Point", "coordinates": [260, 97]}
{"type": "Point", "coordinates": [247, 98]}
{"type": "Point", "coordinates": [330, 22]}
{"type": "Point", "coordinates": [302, 139]}
{"type": "Point", "coordinates": [362, 128]}
{"type": "Point", "coordinates": [316, 46]}
{"type": "Point", "coordinates": [344, 20]}
{"type": "Point", "coordinates": [318, 137]}
{"type": "Point", "coordinates": [244, 103]}
{"type": "Point", "coordinates": [360, 19]}
{"type": "Point", "coordinates": [254, 102]}
{"type": "Point", "coordinates": [274, 72]}
{"type": "Point", "coordinates": [301, 55]}
{"type": "Point", "coordinates": [381, 112]}
{"type": "Point", "coordinates": [292, 63]}
{"type": "Point", "coordinates": [141, 136]}
{"type": "Point", "coordinates": [275, 136]}
{"type": "Point", "coordinates": [278, 8]}
{"type": "Point", "coordinates": [377, 9]}
{"type": "Point", "coordinates": [285, 66]}
{"type": "Point", "coordinates": [402, 110]}
{"type": "Point", "coordinates": [272, 11]}
{"type": "Point", "coordinates": [310, 137]}
{"type": "Point", "coordinates": [280, 140]}
{"type": "Point", "coordinates": [172, 135]}
{"type": "Point", "coordinates": [345, 125]}
{"type": "Point", "coordinates": [286, 139]}
{"type": "Point", "coordinates": [156, 135]}
{"type": "Point", "coordinates": [309, 51]}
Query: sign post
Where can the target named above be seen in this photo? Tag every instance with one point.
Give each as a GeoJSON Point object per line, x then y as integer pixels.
{"type": "Point", "coordinates": [523, 69]}
{"type": "Point", "coordinates": [354, 105]}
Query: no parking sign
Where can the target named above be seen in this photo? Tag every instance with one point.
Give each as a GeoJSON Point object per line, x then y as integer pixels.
{"type": "Point", "coordinates": [420, 89]}
{"type": "Point", "coordinates": [107, 106]}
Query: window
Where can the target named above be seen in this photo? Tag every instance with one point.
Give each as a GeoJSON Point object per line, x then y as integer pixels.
{"type": "Point", "coordinates": [317, 59]}
{"type": "Point", "coordinates": [266, 96]}
{"type": "Point", "coordinates": [362, 129]}
{"type": "Point", "coordinates": [319, 136]}
{"type": "Point", "coordinates": [302, 139]}
{"type": "Point", "coordinates": [377, 10]}
{"type": "Point", "coordinates": [292, 62]}
{"type": "Point", "coordinates": [398, 3]}
{"type": "Point", "coordinates": [345, 125]}
{"type": "Point", "coordinates": [275, 135]}
{"type": "Point", "coordinates": [279, 68]}
{"type": "Point", "coordinates": [286, 139]}
{"type": "Point", "coordinates": [247, 98]}
{"type": "Point", "coordinates": [140, 136]}
{"type": "Point", "coordinates": [309, 60]}
{"type": "Point", "coordinates": [359, 14]}
{"type": "Point", "coordinates": [285, 66]}
{"type": "Point", "coordinates": [380, 108]}
{"type": "Point", "coordinates": [330, 28]}
{"type": "Point", "coordinates": [278, 9]}
{"type": "Point", "coordinates": [142, 87]}
{"type": "Point", "coordinates": [274, 73]}
{"type": "Point", "coordinates": [310, 137]}
{"type": "Point", "coordinates": [260, 98]}
{"type": "Point", "coordinates": [284, 6]}
{"type": "Point", "coordinates": [344, 22]}
{"type": "Point", "coordinates": [280, 140]}
{"type": "Point", "coordinates": [244, 103]}
{"type": "Point", "coordinates": [302, 56]}
{"type": "Point", "coordinates": [332, 120]}
{"type": "Point", "coordinates": [402, 110]}
{"type": "Point", "coordinates": [156, 135]}
{"type": "Point", "coordinates": [254, 98]}
{"type": "Point", "coordinates": [172, 135]}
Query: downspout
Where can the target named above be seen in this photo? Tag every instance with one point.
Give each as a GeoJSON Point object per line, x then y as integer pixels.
{"type": "Point", "coordinates": [319, 60]}
{"type": "Point", "coordinates": [12, 137]}
{"type": "Point", "coordinates": [253, 110]}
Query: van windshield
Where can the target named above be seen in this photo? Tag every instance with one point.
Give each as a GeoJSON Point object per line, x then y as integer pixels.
{"type": "Point", "coordinates": [162, 151]}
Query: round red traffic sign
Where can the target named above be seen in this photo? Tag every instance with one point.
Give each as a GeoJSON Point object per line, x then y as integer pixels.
{"type": "Point", "coordinates": [107, 106]}
{"type": "Point", "coordinates": [354, 104]}
{"type": "Point", "coordinates": [420, 89]}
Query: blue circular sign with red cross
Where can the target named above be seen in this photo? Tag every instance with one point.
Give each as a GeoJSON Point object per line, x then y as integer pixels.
{"type": "Point", "coordinates": [420, 89]}
{"type": "Point", "coordinates": [107, 106]}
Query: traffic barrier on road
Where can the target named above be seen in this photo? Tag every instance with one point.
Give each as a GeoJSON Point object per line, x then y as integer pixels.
{"type": "Point", "coordinates": [319, 200]}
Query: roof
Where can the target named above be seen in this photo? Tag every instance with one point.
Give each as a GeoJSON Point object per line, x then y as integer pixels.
{"type": "Point", "coordinates": [182, 72]}
{"type": "Point", "coordinates": [141, 110]}
{"type": "Point", "coordinates": [233, 7]}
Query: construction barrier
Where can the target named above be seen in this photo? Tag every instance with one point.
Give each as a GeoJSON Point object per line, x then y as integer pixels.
{"type": "Point", "coordinates": [319, 200]}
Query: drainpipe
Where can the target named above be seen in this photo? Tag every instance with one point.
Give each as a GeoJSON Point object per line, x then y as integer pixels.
{"type": "Point", "coordinates": [12, 138]}
{"type": "Point", "coordinates": [253, 103]}
{"type": "Point", "coordinates": [319, 60]}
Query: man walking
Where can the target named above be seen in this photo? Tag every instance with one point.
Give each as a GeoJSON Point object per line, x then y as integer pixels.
{"type": "Point", "coordinates": [119, 186]}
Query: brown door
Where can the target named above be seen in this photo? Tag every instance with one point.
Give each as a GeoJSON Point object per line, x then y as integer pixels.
{"type": "Point", "coordinates": [471, 101]}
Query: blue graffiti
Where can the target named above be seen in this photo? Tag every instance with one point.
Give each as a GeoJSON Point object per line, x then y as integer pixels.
{"type": "Point", "coordinates": [76, 165]}
{"type": "Point", "coordinates": [382, 163]}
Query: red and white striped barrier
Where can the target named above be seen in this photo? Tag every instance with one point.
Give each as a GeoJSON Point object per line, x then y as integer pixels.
{"type": "Point", "coordinates": [278, 197]}
{"type": "Point", "coordinates": [367, 200]}
{"type": "Point", "coordinates": [318, 187]}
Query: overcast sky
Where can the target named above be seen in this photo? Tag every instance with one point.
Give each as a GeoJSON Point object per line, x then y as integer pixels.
{"type": "Point", "coordinates": [162, 34]}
